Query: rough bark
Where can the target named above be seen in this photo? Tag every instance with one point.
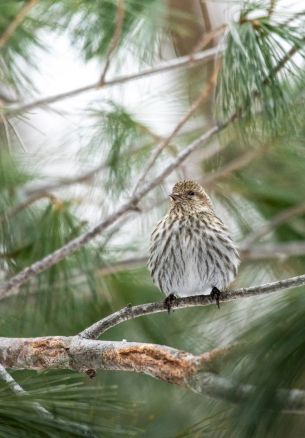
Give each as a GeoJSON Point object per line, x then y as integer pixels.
{"type": "Point", "coordinates": [78, 354]}
{"type": "Point", "coordinates": [161, 362]}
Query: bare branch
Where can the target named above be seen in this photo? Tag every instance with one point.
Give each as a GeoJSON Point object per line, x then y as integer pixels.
{"type": "Point", "coordinates": [158, 361]}
{"type": "Point", "coordinates": [119, 19]}
{"type": "Point", "coordinates": [129, 312]}
{"type": "Point", "coordinates": [34, 194]}
{"type": "Point", "coordinates": [78, 354]}
{"type": "Point", "coordinates": [31, 191]}
{"type": "Point", "coordinates": [231, 167]}
{"type": "Point", "coordinates": [173, 64]}
{"type": "Point", "coordinates": [281, 64]}
{"type": "Point", "coordinates": [271, 7]}
{"type": "Point", "coordinates": [274, 250]}
{"type": "Point", "coordinates": [208, 37]}
{"type": "Point", "coordinates": [121, 265]}
{"type": "Point", "coordinates": [30, 200]}
{"type": "Point", "coordinates": [255, 252]}
{"type": "Point", "coordinates": [164, 143]}
{"type": "Point", "coordinates": [77, 243]}
{"type": "Point", "coordinates": [18, 390]}
{"type": "Point", "coordinates": [293, 17]}
{"type": "Point", "coordinates": [41, 410]}
{"type": "Point", "coordinates": [9, 31]}
{"type": "Point", "coordinates": [290, 401]}
{"type": "Point", "coordinates": [281, 218]}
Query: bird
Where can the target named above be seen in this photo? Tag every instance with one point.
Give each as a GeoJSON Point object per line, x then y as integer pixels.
{"type": "Point", "coordinates": [191, 251]}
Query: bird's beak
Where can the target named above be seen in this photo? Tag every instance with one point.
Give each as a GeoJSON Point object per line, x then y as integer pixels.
{"type": "Point", "coordinates": [174, 197]}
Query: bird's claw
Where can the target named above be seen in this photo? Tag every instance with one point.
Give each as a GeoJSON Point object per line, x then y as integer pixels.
{"type": "Point", "coordinates": [168, 302]}
{"type": "Point", "coordinates": [215, 293]}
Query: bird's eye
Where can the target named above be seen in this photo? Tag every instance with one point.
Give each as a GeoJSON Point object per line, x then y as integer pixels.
{"type": "Point", "coordinates": [191, 193]}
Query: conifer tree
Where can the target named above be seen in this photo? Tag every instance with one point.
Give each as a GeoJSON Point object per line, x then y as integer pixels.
{"type": "Point", "coordinates": [182, 91]}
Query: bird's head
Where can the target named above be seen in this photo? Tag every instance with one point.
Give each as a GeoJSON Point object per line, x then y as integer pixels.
{"type": "Point", "coordinates": [191, 196]}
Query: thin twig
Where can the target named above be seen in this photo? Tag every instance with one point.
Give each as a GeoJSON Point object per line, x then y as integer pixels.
{"type": "Point", "coordinates": [30, 190]}
{"type": "Point", "coordinates": [7, 131]}
{"type": "Point", "coordinates": [280, 251]}
{"type": "Point", "coordinates": [231, 167]}
{"type": "Point", "coordinates": [279, 219]}
{"type": "Point", "coordinates": [281, 64]}
{"type": "Point", "coordinates": [255, 252]}
{"type": "Point", "coordinates": [293, 17]}
{"type": "Point", "coordinates": [119, 19]}
{"type": "Point", "coordinates": [41, 410]}
{"type": "Point", "coordinates": [122, 265]}
{"type": "Point", "coordinates": [161, 146]}
{"type": "Point", "coordinates": [35, 194]}
{"type": "Point", "coordinates": [271, 7]}
{"type": "Point", "coordinates": [173, 64]}
{"type": "Point", "coordinates": [9, 31]}
{"type": "Point", "coordinates": [18, 390]}
{"type": "Point", "coordinates": [127, 313]}
{"type": "Point", "coordinates": [29, 201]}
{"type": "Point", "coordinates": [223, 388]}
{"type": "Point", "coordinates": [208, 37]}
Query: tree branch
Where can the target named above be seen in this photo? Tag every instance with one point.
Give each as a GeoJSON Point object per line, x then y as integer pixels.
{"type": "Point", "coordinates": [271, 8]}
{"type": "Point", "coordinates": [18, 390]}
{"type": "Point", "coordinates": [274, 250]}
{"type": "Point", "coordinates": [131, 312]}
{"type": "Point", "coordinates": [27, 202]}
{"type": "Point", "coordinates": [255, 252]}
{"type": "Point", "coordinates": [78, 354]}
{"type": "Point", "coordinates": [281, 218]}
{"type": "Point", "coordinates": [164, 143]}
{"type": "Point", "coordinates": [173, 64]}
{"type": "Point", "coordinates": [240, 162]}
{"type": "Point", "coordinates": [23, 12]}
{"type": "Point", "coordinates": [77, 243]}
{"type": "Point", "coordinates": [119, 19]}
{"type": "Point", "coordinates": [39, 408]}
{"type": "Point", "coordinates": [158, 361]}
{"type": "Point", "coordinates": [290, 401]}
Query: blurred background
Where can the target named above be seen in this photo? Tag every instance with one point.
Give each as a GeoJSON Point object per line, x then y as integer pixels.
{"type": "Point", "coordinates": [66, 162]}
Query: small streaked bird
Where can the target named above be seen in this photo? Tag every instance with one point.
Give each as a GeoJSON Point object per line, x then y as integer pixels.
{"type": "Point", "coordinates": [191, 252]}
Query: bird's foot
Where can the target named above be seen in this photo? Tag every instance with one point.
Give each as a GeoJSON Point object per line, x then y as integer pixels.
{"type": "Point", "coordinates": [168, 302]}
{"type": "Point", "coordinates": [215, 293]}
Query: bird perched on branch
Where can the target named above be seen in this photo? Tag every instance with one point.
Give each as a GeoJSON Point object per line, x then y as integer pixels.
{"type": "Point", "coordinates": [191, 252]}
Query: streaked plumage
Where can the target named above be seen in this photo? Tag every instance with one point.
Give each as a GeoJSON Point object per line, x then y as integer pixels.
{"type": "Point", "coordinates": [191, 251]}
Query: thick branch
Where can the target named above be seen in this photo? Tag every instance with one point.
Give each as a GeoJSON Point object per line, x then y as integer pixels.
{"type": "Point", "coordinates": [158, 361]}
{"type": "Point", "coordinates": [174, 64]}
{"type": "Point", "coordinates": [129, 312]}
{"type": "Point", "coordinates": [78, 354]}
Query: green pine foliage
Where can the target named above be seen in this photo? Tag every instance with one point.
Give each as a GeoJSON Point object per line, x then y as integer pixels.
{"type": "Point", "coordinates": [264, 88]}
